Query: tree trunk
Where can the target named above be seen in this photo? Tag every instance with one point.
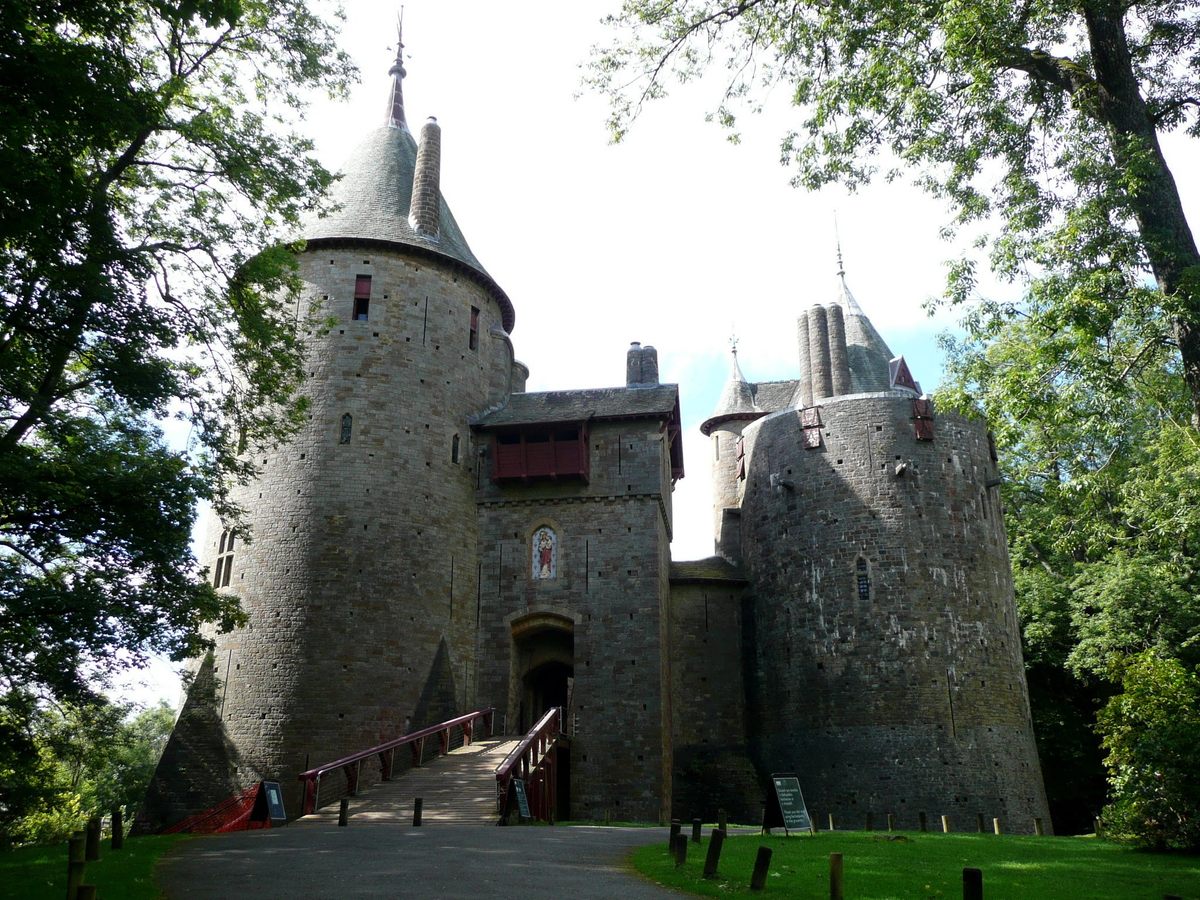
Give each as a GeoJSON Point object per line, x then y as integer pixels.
{"type": "Point", "coordinates": [1166, 236]}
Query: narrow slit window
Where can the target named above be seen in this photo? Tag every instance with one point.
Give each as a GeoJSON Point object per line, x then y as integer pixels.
{"type": "Point", "coordinates": [362, 298]}
{"type": "Point", "coordinates": [454, 449]}
{"type": "Point", "coordinates": [473, 337]}
{"type": "Point", "coordinates": [347, 428]}
{"type": "Point", "coordinates": [863, 578]}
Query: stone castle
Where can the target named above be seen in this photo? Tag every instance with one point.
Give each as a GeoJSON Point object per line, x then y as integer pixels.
{"type": "Point", "coordinates": [436, 539]}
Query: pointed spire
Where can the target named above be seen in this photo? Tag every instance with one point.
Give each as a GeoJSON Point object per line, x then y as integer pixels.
{"type": "Point", "coordinates": [845, 299]}
{"type": "Point", "coordinates": [396, 100]}
{"type": "Point", "coordinates": [735, 374]}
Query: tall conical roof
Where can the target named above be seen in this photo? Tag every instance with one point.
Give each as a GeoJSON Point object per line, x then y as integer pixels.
{"type": "Point", "coordinates": [737, 400]}
{"type": "Point", "coordinates": [371, 202]}
{"type": "Point", "coordinates": [866, 352]}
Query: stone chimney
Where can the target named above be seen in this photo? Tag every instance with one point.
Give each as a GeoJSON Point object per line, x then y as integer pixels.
{"type": "Point", "coordinates": [641, 365]}
{"type": "Point", "coordinates": [425, 208]}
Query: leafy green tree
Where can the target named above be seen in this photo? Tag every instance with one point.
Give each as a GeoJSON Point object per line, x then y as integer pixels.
{"type": "Point", "coordinates": [1152, 734]}
{"type": "Point", "coordinates": [148, 165]}
{"type": "Point", "coordinates": [80, 760]}
{"type": "Point", "coordinates": [1042, 118]}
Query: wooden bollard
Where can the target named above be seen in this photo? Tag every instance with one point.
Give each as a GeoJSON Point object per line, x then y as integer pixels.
{"type": "Point", "coordinates": [85, 892]}
{"type": "Point", "coordinates": [972, 884]}
{"type": "Point", "coordinates": [118, 832]}
{"type": "Point", "coordinates": [680, 849]}
{"type": "Point", "coordinates": [344, 812]}
{"type": "Point", "coordinates": [836, 889]}
{"type": "Point", "coordinates": [92, 840]}
{"type": "Point", "coordinates": [762, 863]}
{"type": "Point", "coordinates": [945, 824]}
{"type": "Point", "coordinates": [695, 831]}
{"type": "Point", "coordinates": [676, 825]}
{"type": "Point", "coordinates": [870, 823]}
{"type": "Point", "coordinates": [923, 823]}
{"type": "Point", "coordinates": [979, 820]}
{"type": "Point", "coordinates": [1037, 826]}
{"type": "Point", "coordinates": [831, 822]}
{"type": "Point", "coordinates": [418, 806]}
{"type": "Point", "coordinates": [712, 859]}
{"type": "Point", "coordinates": [75, 864]}
{"type": "Point", "coordinates": [722, 820]}
{"type": "Point", "coordinates": [891, 822]}
{"type": "Point", "coordinates": [996, 826]}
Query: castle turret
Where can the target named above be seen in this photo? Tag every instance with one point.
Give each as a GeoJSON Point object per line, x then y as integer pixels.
{"type": "Point", "coordinates": [360, 580]}
{"type": "Point", "coordinates": [734, 410]}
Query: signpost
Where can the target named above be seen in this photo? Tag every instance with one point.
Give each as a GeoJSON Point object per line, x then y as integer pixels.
{"type": "Point", "coordinates": [786, 806]}
{"type": "Point", "coordinates": [522, 800]}
{"type": "Point", "coordinates": [274, 803]}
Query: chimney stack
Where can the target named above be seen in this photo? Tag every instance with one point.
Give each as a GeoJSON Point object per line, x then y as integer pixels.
{"type": "Point", "coordinates": [641, 365]}
{"type": "Point", "coordinates": [424, 210]}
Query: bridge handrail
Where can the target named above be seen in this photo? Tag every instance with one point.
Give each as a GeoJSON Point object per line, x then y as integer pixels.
{"type": "Point", "coordinates": [312, 777]}
{"type": "Point", "coordinates": [532, 757]}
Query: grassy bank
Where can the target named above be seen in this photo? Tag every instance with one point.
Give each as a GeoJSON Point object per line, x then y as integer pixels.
{"type": "Point", "coordinates": [37, 872]}
{"type": "Point", "coordinates": [930, 865]}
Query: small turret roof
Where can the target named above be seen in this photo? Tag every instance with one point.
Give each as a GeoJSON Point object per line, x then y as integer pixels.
{"type": "Point", "coordinates": [738, 400]}
{"type": "Point", "coordinates": [370, 203]}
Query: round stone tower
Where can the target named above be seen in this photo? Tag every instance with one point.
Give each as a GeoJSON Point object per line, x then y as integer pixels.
{"type": "Point", "coordinates": [889, 670]}
{"type": "Point", "coordinates": [360, 576]}
{"type": "Point", "coordinates": [882, 653]}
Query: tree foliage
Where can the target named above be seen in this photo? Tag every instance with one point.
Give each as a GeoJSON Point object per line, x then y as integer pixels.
{"type": "Point", "coordinates": [1152, 735]}
{"type": "Point", "coordinates": [78, 760]}
{"type": "Point", "coordinates": [148, 166]}
{"type": "Point", "coordinates": [1041, 118]}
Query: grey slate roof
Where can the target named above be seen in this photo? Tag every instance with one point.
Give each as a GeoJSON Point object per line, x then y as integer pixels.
{"type": "Point", "coordinates": [714, 568]}
{"type": "Point", "coordinates": [772, 396]}
{"type": "Point", "coordinates": [371, 203]}
{"type": "Point", "coordinates": [658, 401]}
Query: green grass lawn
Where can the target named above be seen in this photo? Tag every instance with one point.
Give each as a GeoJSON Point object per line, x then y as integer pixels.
{"type": "Point", "coordinates": [128, 874]}
{"type": "Point", "coordinates": [930, 865]}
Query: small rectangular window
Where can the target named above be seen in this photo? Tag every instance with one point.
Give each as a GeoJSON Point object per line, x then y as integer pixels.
{"type": "Point", "coordinates": [362, 297]}
{"type": "Point", "coordinates": [473, 339]}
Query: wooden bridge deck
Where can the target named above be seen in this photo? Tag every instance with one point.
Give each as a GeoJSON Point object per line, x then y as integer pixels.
{"type": "Point", "coordinates": [458, 788]}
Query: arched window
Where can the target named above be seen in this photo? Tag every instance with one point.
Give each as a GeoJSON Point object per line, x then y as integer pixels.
{"type": "Point", "coordinates": [863, 579]}
{"type": "Point", "coordinates": [545, 553]}
{"type": "Point", "coordinates": [347, 427]}
{"type": "Point", "coordinates": [223, 567]}
{"type": "Point", "coordinates": [454, 449]}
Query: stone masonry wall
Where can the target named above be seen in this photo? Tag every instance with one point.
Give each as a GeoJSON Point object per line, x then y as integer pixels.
{"type": "Point", "coordinates": [712, 768]}
{"type": "Point", "coordinates": [903, 691]}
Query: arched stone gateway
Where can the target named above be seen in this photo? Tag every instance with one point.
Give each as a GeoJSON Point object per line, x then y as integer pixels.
{"type": "Point", "coordinates": [543, 666]}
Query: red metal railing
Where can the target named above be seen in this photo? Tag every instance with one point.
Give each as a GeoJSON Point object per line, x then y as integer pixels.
{"type": "Point", "coordinates": [231, 814]}
{"type": "Point", "coordinates": [352, 765]}
{"type": "Point", "coordinates": [534, 763]}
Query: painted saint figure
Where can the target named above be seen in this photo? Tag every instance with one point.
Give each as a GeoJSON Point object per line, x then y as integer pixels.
{"type": "Point", "coordinates": [545, 547]}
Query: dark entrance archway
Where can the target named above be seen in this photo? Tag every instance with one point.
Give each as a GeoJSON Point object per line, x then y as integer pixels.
{"type": "Point", "coordinates": [543, 676]}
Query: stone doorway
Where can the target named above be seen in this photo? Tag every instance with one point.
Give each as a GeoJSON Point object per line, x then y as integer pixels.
{"type": "Point", "coordinates": [543, 667]}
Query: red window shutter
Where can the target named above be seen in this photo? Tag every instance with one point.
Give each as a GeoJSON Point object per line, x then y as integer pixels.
{"type": "Point", "coordinates": [362, 287]}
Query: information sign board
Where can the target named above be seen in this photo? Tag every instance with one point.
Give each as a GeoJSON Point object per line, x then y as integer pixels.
{"type": "Point", "coordinates": [522, 800]}
{"type": "Point", "coordinates": [786, 805]}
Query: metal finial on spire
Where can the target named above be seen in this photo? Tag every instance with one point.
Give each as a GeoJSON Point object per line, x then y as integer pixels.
{"type": "Point", "coordinates": [733, 342]}
{"type": "Point", "coordinates": [396, 100]}
{"type": "Point", "coordinates": [837, 238]}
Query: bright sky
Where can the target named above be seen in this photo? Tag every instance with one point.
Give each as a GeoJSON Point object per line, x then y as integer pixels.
{"type": "Point", "coordinates": [674, 237]}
